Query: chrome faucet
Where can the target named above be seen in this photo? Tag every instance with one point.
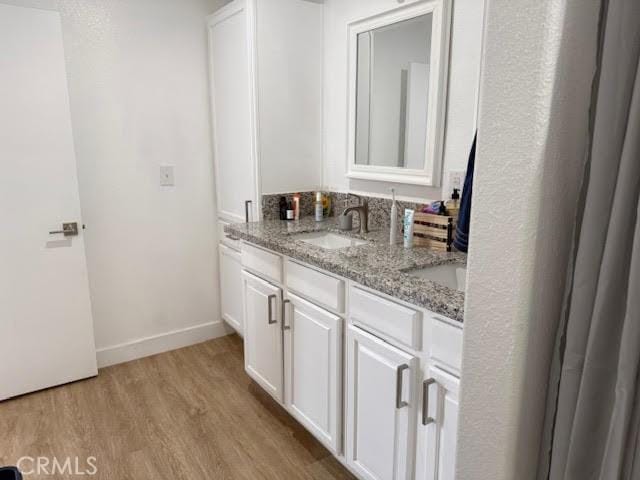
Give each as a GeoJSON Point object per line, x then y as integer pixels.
{"type": "Point", "coordinates": [363, 212]}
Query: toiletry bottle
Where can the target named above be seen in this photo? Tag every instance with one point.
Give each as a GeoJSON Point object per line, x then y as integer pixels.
{"type": "Point", "coordinates": [326, 205]}
{"type": "Point", "coordinates": [453, 205]}
{"type": "Point", "coordinates": [393, 223]}
{"type": "Point", "coordinates": [290, 212]}
{"type": "Point", "coordinates": [408, 227]}
{"type": "Point", "coordinates": [296, 206]}
{"type": "Point", "coordinates": [283, 208]}
{"type": "Point", "coordinates": [319, 211]}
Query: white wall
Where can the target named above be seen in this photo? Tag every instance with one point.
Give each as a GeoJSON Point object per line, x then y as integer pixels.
{"type": "Point", "coordinates": [138, 87]}
{"type": "Point", "coordinates": [533, 130]}
{"type": "Point", "coordinates": [466, 42]}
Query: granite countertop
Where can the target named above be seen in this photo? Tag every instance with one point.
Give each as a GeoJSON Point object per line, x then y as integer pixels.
{"type": "Point", "coordinates": [376, 265]}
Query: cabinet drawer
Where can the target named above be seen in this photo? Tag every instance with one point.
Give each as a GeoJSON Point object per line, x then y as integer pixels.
{"type": "Point", "coordinates": [386, 317]}
{"type": "Point", "coordinates": [446, 347]}
{"type": "Point", "coordinates": [262, 262]}
{"type": "Point", "coordinates": [316, 286]}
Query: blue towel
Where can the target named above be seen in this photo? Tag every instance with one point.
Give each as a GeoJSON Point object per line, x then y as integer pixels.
{"type": "Point", "coordinates": [461, 239]}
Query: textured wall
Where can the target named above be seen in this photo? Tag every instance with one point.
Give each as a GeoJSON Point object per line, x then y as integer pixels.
{"type": "Point", "coordinates": [139, 98]}
{"type": "Point", "coordinates": [538, 65]}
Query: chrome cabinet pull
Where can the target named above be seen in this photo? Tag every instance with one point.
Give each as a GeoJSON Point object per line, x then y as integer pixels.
{"type": "Point", "coordinates": [246, 210]}
{"type": "Point", "coordinates": [426, 419]}
{"type": "Point", "coordinates": [284, 314]}
{"type": "Point", "coordinates": [270, 319]}
{"type": "Point", "coordinates": [399, 402]}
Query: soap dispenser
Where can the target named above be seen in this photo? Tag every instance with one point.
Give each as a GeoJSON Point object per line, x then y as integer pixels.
{"type": "Point", "coordinates": [453, 205]}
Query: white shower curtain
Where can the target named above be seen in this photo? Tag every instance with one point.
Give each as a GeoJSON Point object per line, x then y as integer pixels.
{"type": "Point", "coordinates": [593, 415]}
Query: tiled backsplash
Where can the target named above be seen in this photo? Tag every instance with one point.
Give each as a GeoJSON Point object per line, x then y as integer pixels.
{"type": "Point", "coordinates": [379, 208]}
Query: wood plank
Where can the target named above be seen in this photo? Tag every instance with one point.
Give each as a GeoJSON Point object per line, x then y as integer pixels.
{"type": "Point", "coordinates": [188, 414]}
{"type": "Point", "coordinates": [430, 231]}
{"type": "Point", "coordinates": [430, 243]}
{"type": "Point", "coordinates": [431, 218]}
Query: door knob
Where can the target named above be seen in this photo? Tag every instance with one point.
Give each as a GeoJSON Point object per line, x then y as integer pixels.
{"type": "Point", "coordinates": [69, 229]}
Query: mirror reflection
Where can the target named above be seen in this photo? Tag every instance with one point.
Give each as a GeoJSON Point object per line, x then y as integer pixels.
{"type": "Point", "coordinates": [392, 89]}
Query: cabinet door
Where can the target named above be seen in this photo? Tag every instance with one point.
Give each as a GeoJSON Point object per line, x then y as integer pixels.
{"type": "Point", "coordinates": [380, 407]}
{"type": "Point", "coordinates": [231, 288]}
{"type": "Point", "coordinates": [231, 59]}
{"type": "Point", "coordinates": [438, 425]}
{"type": "Point", "coordinates": [263, 334]}
{"type": "Point", "coordinates": [313, 366]}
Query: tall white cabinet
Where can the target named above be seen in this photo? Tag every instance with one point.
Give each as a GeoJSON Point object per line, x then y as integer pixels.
{"type": "Point", "coordinates": [265, 59]}
{"type": "Point", "coordinates": [233, 110]}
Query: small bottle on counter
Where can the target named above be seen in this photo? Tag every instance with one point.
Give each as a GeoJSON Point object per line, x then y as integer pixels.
{"type": "Point", "coordinates": [318, 208]}
{"type": "Point", "coordinates": [296, 206]}
{"type": "Point", "coordinates": [326, 205]}
{"type": "Point", "coordinates": [283, 208]}
{"type": "Point", "coordinates": [453, 205]}
{"type": "Point", "coordinates": [290, 213]}
{"type": "Point", "coordinates": [408, 227]}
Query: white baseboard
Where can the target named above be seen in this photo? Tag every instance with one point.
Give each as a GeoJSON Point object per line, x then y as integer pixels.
{"type": "Point", "coordinates": [164, 342]}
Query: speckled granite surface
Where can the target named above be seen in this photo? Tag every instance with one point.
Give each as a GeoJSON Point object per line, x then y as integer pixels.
{"type": "Point", "coordinates": [379, 208]}
{"type": "Point", "coordinates": [377, 265]}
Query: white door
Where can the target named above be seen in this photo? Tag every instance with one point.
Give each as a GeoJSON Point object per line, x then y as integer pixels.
{"type": "Point", "coordinates": [380, 407]}
{"type": "Point", "coordinates": [45, 312]}
{"type": "Point", "coordinates": [231, 287]}
{"type": "Point", "coordinates": [438, 425]}
{"type": "Point", "coordinates": [232, 104]}
{"type": "Point", "coordinates": [313, 366]}
{"type": "Point", "coordinates": [263, 353]}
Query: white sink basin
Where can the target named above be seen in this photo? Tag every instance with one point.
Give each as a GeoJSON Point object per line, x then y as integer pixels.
{"type": "Point", "coordinates": [452, 275]}
{"type": "Point", "coordinates": [329, 240]}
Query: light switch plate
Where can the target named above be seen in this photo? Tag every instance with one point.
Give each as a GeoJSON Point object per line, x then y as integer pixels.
{"type": "Point", "coordinates": [167, 175]}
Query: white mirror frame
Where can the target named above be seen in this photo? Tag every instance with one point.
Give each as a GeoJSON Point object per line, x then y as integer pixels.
{"type": "Point", "coordinates": [440, 37]}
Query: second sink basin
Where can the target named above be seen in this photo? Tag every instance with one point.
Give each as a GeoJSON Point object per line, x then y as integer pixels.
{"type": "Point", "coordinates": [329, 240]}
{"type": "Point", "coordinates": [452, 275]}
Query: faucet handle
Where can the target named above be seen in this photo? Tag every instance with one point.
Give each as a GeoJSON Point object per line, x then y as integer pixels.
{"type": "Point", "coordinates": [354, 196]}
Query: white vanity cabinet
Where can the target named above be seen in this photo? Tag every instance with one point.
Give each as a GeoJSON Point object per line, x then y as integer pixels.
{"type": "Point", "coordinates": [230, 268]}
{"type": "Point", "coordinates": [438, 424]}
{"type": "Point", "coordinates": [294, 341]}
{"type": "Point", "coordinates": [373, 378]}
{"type": "Point", "coordinates": [263, 335]}
{"type": "Point", "coordinates": [380, 384]}
{"type": "Point", "coordinates": [313, 369]}
{"type": "Point", "coordinates": [231, 287]}
{"type": "Point", "coordinates": [383, 334]}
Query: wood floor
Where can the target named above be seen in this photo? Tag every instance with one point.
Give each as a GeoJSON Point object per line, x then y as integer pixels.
{"type": "Point", "coordinates": [188, 414]}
